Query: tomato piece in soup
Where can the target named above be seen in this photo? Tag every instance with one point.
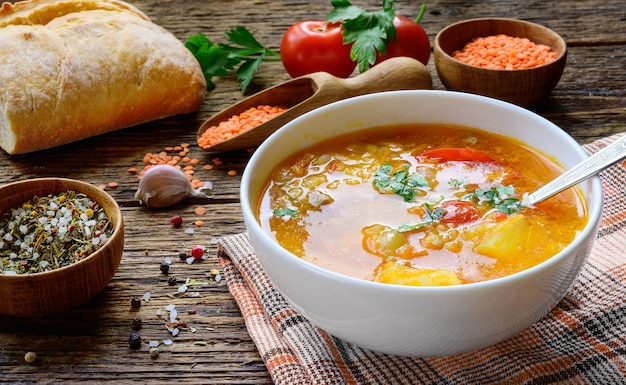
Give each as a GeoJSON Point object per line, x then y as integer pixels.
{"type": "Point", "coordinates": [459, 212]}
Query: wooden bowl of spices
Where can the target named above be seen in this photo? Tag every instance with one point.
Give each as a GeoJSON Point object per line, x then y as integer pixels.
{"type": "Point", "coordinates": [508, 59]}
{"type": "Point", "coordinates": [61, 243]}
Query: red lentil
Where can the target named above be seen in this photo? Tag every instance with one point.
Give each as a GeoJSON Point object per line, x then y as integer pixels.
{"type": "Point", "coordinates": [176, 156]}
{"type": "Point", "coordinates": [238, 124]}
{"type": "Point", "coordinates": [504, 52]}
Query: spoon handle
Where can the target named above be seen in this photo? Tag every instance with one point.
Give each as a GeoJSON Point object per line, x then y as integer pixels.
{"type": "Point", "coordinates": [602, 159]}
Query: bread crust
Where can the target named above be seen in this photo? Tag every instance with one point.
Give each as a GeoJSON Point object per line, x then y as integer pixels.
{"type": "Point", "coordinates": [74, 69]}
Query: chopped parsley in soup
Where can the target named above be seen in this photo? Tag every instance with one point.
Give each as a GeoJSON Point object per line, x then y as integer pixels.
{"type": "Point", "coordinates": [419, 205]}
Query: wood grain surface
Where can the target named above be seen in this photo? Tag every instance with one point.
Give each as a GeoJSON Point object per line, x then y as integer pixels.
{"type": "Point", "coordinates": [90, 344]}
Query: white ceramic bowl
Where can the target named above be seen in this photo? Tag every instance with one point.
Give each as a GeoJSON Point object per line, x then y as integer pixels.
{"type": "Point", "coordinates": [418, 321]}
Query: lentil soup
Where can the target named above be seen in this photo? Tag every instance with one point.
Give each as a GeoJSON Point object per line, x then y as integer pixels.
{"type": "Point", "coordinates": [419, 205]}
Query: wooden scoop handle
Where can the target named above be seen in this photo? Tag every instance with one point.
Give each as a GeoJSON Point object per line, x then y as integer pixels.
{"type": "Point", "coordinates": [401, 73]}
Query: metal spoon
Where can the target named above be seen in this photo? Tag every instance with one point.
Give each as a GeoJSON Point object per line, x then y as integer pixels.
{"type": "Point", "coordinates": [599, 161]}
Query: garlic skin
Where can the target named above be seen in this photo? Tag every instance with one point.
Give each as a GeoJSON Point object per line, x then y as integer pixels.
{"type": "Point", "coordinates": [163, 185]}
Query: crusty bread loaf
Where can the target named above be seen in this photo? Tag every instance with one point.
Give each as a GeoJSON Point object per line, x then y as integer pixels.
{"type": "Point", "coordinates": [71, 69]}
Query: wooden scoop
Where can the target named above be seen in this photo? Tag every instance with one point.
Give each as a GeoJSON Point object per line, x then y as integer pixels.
{"type": "Point", "coordinates": [308, 92]}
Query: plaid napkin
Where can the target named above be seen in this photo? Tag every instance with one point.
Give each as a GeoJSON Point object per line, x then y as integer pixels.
{"type": "Point", "coordinates": [581, 341]}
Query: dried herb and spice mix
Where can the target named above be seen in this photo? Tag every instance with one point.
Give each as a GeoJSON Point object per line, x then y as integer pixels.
{"type": "Point", "coordinates": [46, 233]}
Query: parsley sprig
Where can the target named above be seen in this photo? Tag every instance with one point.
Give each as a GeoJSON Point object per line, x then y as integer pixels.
{"type": "Point", "coordinates": [243, 52]}
{"type": "Point", "coordinates": [431, 216]}
{"type": "Point", "coordinates": [400, 182]}
{"type": "Point", "coordinates": [285, 213]}
{"type": "Point", "coordinates": [368, 32]}
{"type": "Point", "coordinates": [499, 197]}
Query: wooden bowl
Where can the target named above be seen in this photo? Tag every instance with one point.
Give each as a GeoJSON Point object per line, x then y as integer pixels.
{"type": "Point", "coordinates": [55, 291]}
{"type": "Point", "coordinates": [523, 87]}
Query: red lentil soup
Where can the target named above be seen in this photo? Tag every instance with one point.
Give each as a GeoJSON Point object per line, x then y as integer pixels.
{"type": "Point", "coordinates": [422, 205]}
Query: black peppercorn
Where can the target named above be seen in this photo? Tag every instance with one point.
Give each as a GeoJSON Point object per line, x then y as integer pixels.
{"type": "Point", "coordinates": [182, 255]}
{"type": "Point", "coordinates": [135, 303]}
{"type": "Point", "coordinates": [171, 281]}
{"type": "Point", "coordinates": [134, 341]}
{"type": "Point", "coordinates": [165, 267]}
{"type": "Point", "coordinates": [136, 324]}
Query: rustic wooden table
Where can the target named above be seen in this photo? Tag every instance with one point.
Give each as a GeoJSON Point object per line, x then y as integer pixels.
{"type": "Point", "coordinates": [91, 342]}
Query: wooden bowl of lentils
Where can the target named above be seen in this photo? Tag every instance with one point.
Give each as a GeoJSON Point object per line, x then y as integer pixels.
{"type": "Point", "coordinates": [507, 59]}
{"type": "Point", "coordinates": [61, 243]}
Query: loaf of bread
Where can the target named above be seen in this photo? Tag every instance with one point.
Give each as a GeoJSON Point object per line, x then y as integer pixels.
{"type": "Point", "coordinates": [71, 69]}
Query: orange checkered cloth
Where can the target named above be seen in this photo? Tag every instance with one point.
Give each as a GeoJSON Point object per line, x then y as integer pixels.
{"type": "Point", "coordinates": [581, 341]}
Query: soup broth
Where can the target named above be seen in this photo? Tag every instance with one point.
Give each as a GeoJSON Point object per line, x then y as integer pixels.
{"type": "Point", "coordinates": [419, 205]}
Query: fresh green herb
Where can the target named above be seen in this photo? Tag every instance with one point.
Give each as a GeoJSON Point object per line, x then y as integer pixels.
{"type": "Point", "coordinates": [509, 205]}
{"type": "Point", "coordinates": [218, 59]}
{"type": "Point", "coordinates": [411, 227]}
{"type": "Point", "coordinates": [399, 182]}
{"type": "Point", "coordinates": [456, 183]}
{"type": "Point", "coordinates": [498, 197]}
{"type": "Point", "coordinates": [432, 216]}
{"type": "Point", "coordinates": [285, 212]}
{"type": "Point", "coordinates": [368, 32]}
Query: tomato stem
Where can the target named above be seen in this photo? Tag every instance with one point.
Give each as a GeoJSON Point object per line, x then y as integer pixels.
{"type": "Point", "coordinates": [421, 14]}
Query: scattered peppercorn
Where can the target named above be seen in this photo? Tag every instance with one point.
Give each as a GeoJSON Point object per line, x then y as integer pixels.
{"type": "Point", "coordinates": [165, 267]}
{"type": "Point", "coordinates": [176, 221]}
{"type": "Point", "coordinates": [197, 252]}
{"type": "Point", "coordinates": [154, 352]}
{"type": "Point", "coordinates": [135, 303]}
{"type": "Point", "coordinates": [171, 281]}
{"type": "Point", "coordinates": [136, 324]}
{"type": "Point", "coordinates": [134, 341]}
{"type": "Point", "coordinates": [30, 357]}
{"type": "Point", "coordinates": [182, 255]}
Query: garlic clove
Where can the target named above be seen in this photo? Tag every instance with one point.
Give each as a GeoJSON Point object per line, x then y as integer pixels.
{"type": "Point", "coordinates": [163, 185]}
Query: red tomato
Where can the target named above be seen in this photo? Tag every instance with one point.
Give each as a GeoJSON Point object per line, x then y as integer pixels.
{"type": "Point", "coordinates": [459, 212]}
{"type": "Point", "coordinates": [314, 46]}
{"type": "Point", "coordinates": [411, 40]}
{"type": "Point", "coordinates": [457, 154]}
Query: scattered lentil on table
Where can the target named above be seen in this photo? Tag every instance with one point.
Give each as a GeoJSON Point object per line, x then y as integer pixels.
{"type": "Point", "coordinates": [504, 52]}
